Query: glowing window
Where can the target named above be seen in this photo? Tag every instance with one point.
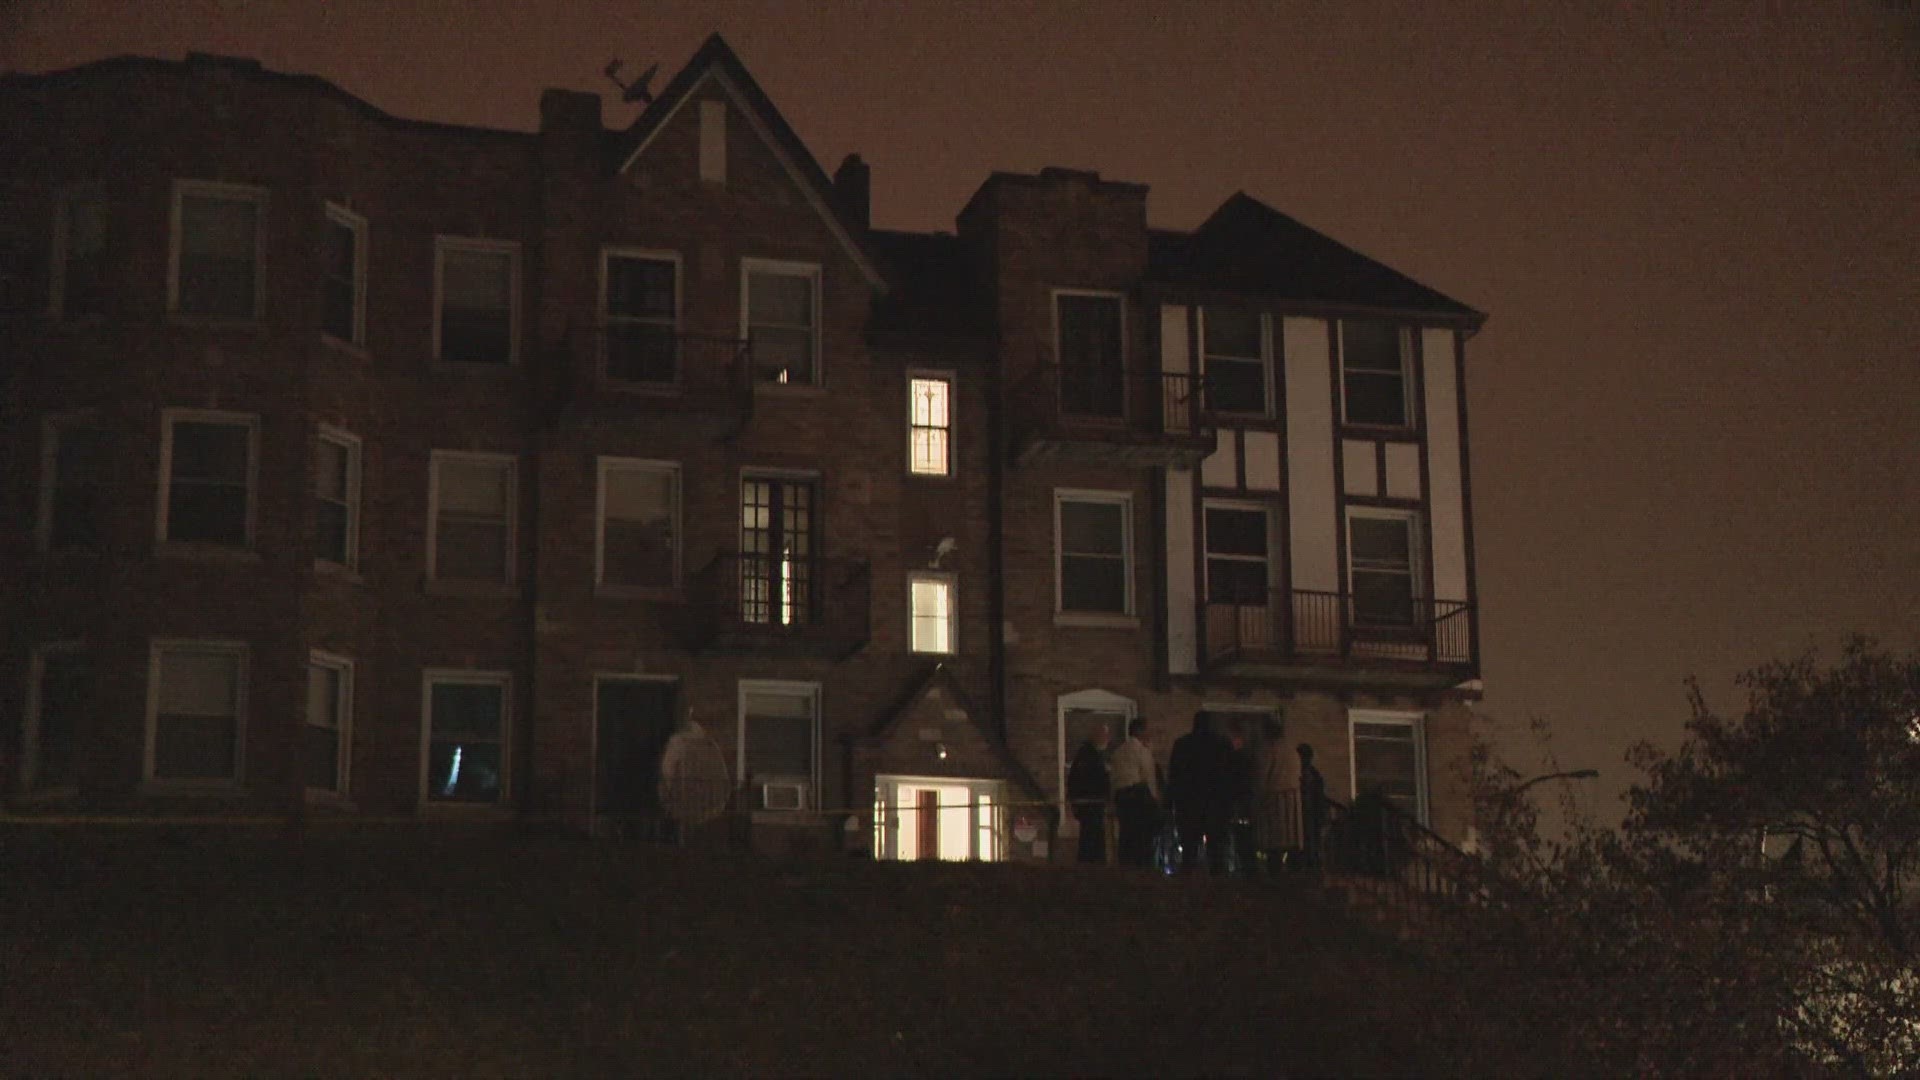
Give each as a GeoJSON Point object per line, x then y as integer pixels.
{"type": "Point", "coordinates": [934, 614]}
{"type": "Point", "coordinates": [930, 426]}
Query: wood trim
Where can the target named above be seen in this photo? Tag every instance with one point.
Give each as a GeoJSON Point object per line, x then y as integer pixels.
{"type": "Point", "coordinates": [1275, 326]}
{"type": "Point", "coordinates": [1418, 377]}
{"type": "Point", "coordinates": [1342, 573]}
{"type": "Point", "coordinates": [1466, 499]}
{"type": "Point", "coordinates": [1380, 466]}
{"type": "Point", "coordinates": [1199, 572]}
{"type": "Point", "coordinates": [1240, 458]}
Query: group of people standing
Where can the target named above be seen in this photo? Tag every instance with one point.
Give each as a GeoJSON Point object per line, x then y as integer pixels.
{"type": "Point", "coordinates": [1217, 784]}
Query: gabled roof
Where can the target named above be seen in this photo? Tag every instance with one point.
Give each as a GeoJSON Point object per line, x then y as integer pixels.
{"type": "Point", "coordinates": [942, 679]}
{"type": "Point", "coordinates": [716, 59]}
{"type": "Point", "coordinates": [1250, 248]}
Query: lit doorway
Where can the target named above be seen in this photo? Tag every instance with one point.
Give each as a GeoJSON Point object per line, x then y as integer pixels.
{"type": "Point", "coordinates": [937, 818]}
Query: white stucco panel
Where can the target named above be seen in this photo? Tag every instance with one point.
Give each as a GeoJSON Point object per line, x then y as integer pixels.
{"type": "Point", "coordinates": [1359, 467]}
{"type": "Point", "coordinates": [1263, 460]}
{"type": "Point", "coordinates": [1445, 467]}
{"type": "Point", "coordinates": [1403, 470]}
{"type": "Point", "coordinates": [1173, 338]}
{"type": "Point", "coordinates": [1221, 468]}
{"type": "Point", "coordinates": [1182, 649]}
{"type": "Point", "coordinates": [1312, 526]}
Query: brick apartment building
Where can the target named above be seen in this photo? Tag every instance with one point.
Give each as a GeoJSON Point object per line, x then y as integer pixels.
{"type": "Point", "coordinates": [381, 466]}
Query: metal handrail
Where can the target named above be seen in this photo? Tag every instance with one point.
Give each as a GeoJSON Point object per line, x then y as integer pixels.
{"type": "Point", "coordinates": [1165, 403]}
{"type": "Point", "coordinates": [1308, 622]}
{"type": "Point", "coordinates": [703, 371]}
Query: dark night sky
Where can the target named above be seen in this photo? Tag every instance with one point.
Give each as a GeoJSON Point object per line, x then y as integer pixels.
{"type": "Point", "coordinates": [1696, 226]}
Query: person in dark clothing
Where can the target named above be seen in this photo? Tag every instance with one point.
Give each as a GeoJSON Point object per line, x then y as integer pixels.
{"type": "Point", "coordinates": [1088, 788]}
{"type": "Point", "coordinates": [1313, 807]}
{"type": "Point", "coordinates": [1199, 788]}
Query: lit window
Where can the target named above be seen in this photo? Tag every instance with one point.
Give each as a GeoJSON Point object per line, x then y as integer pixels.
{"type": "Point", "coordinates": [206, 490]}
{"type": "Point", "coordinates": [642, 316]}
{"type": "Point", "coordinates": [336, 498]}
{"type": "Point", "coordinates": [466, 737]}
{"type": "Point", "coordinates": [1373, 364]}
{"type": "Point", "coordinates": [639, 519]}
{"type": "Point", "coordinates": [778, 538]}
{"type": "Point", "coordinates": [934, 613]}
{"type": "Point", "coordinates": [1236, 367]}
{"type": "Point", "coordinates": [77, 467]}
{"type": "Point", "coordinates": [58, 705]}
{"type": "Point", "coordinates": [1381, 547]}
{"type": "Point", "coordinates": [474, 322]}
{"type": "Point", "coordinates": [1094, 552]}
{"type": "Point", "coordinates": [344, 276]}
{"type": "Point", "coordinates": [1389, 761]}
{"type": "Point", "coordinates": [80, 248]}
{"type": "Point", "coordinates": [193, 733]}
{"type": "Point", "coordinates": [329, 722]}
{"type": "Point", "coordinates": [473, 499]}
{"type": "Point", "coordinates": [1090, 335]}
{"type": "Point", "coordinates": [930, 427]}
{"type": "Point", "coordinates": [782, 324]}
{"type": "Point", "coordinates": [779, 742]}
{"type": "Point", "coordinates": [217, 231]}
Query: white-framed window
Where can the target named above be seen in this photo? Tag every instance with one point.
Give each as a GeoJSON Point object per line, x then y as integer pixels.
{"type": "Point", "coordinates": [1389, 756]}
{"type": "Point", "coordinates": [1237, 349]}
{"type": "Point", "coordinates": [77, 285]}
{"type": "Point", "coordinates": [780, 319]}
{"type": "Point", "coordinates": [470, 501]}
{"type": "Point", "coordinates": [1090, 346]}
{"type": "Point", "coordinates": [1238, 554]}
{"type": "Point", "coordinates": [638, 538]}
{"type": "Point", "coordinates": [1077, 716]}
{"type": "Point", "coordinates": [343, 301]}
{"type": "Point", "coordinates": [60, 680]}
{"type": "Point", "coordinates": [219, 242]}
{"type": "Point", "coordinates": [327, 735]}
{"type": "Point", "coordinates": [1375, 358]}
{"type": "Point", "coordinates": [476, 307]}
{"type": "Point", "coordinates": [930, 424]}
{"type": "Point", "coordinates": [779, 741]}
{"type": "Point", "coordinates": [938, 817]}
{"type": "Point", "coordinates": [934, 612]}
{"type": "Point", "coordinates": [1093, 552]}
{"type": "Point", "coordinates": [76, 468]}
{"type": "Point", "coordinates": [640, 308]}
{"type": "Point", "coordinates": [196, 713]}
{"type": "Point", "coordinates": [1383, 566]}
{"type": "Point", "coordinates": [463, 752]}
{"type": "Point", "coordinates": [336, 497]}
{"type": "Point", "coordinates": [208, 468]}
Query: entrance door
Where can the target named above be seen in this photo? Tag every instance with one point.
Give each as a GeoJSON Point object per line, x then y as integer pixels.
{"type": "Point", "coordinates": [928, 818]}
{"type": "Point", "coordinates": [632, 718]}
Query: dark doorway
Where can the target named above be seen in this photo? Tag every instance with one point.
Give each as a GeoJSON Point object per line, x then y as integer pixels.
{"type": "Point", "coordinates": [634, 717]}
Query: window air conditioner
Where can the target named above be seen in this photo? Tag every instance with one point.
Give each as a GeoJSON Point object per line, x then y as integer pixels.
{"type": "Point", "coordinates": [783, 795]}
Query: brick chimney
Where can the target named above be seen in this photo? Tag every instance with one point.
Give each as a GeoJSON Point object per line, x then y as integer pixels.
{"type": "Point", "coordinates": [853, 191]}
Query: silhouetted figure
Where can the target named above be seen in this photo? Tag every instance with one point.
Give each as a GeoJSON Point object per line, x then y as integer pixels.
{"type": "Point", "coordinates": [1313, 807]}
{"type": "Point", "coordinates": [1136, 795]}
{"type": "Point", "coordinates": [1199, 788]}
{"type": "Point", "coordinates": [1088, 787]}
{"type": "Point", "coordinates": [694, 783]}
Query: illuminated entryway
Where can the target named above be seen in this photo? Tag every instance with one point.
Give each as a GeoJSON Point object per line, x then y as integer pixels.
{"type": "Point", "coordinates": [922, 817]}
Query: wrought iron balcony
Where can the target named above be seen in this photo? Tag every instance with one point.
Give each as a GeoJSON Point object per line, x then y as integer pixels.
{"type": "Point", "coordinates": [1416, 636]}
{"type": "Point", "coordinates": [630, 370]}
{"type": "Point", "coordinates": [782, 605]}
{"type": "Point", "coordinates": [1097, 416]}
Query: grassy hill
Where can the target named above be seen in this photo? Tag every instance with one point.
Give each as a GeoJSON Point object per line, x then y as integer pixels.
{"type": "Point", "coordinates": [358, 951]}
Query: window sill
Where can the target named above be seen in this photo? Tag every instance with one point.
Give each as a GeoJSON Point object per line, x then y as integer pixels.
{"type": "Point", "coordinates": [95, 551]}
{"type": "Point", "coordinates": [657, 593]}
{"type": "Point", "coordinates": [442, 587]}
{"type": "Point", "coordinates": [191, 787]}
{"type": "Point", "coordinates": [342, 345]}
{"type": "Point", "coordinates": [332, 800]}
{"type": "Point", "coordinates": [217, 322]}
{"type": "Point", "coordinates": [1388, 432]}
{"type": "Point", "coordinates": [205, 552]}
{"type": "Point", "coordinates": [798, 390]}
{"type": "Point", "coordinates": [327, 568]}
{"type": "Point", "coordinates": [932, 478]}
{"type": "Point", "coordinates": [1096, 620]}
{"type": "Point", "coordinates": [466, 811]}
{"type": "Point", "coordinates": [478, 368]}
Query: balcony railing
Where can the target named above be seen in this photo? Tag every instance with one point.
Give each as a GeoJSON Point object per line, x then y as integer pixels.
{"type": "Point", "coordinates": [623, 369]}
{"type": "Point", "coordinates": [1109, 416]}
{"type": "Point", "coordinates": [1304, 624]}
{"type": "Point", "coordinates": [798, 606]}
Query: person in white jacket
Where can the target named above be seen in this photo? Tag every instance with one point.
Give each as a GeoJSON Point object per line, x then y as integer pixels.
{"type": "Point", "coordinates": [694, 782]}
{"type": "Point", "coordinates": [1136, 795]}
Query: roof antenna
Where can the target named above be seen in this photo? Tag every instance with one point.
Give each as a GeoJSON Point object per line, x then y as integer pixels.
{"type": "Point", "coordinates": [636, 90]}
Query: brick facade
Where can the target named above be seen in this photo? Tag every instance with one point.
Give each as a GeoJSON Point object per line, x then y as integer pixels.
{"type": "Point", "coordinates": [129, 129]}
